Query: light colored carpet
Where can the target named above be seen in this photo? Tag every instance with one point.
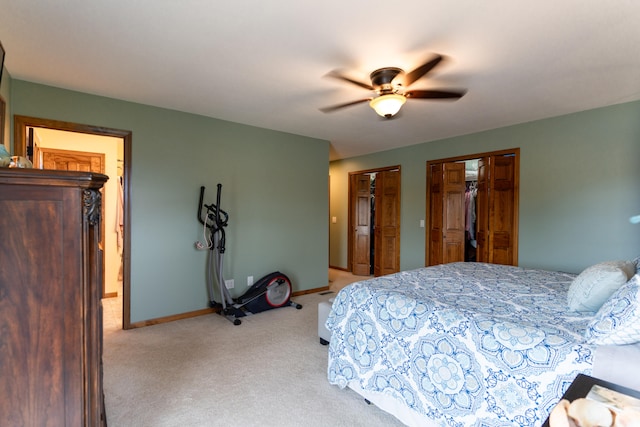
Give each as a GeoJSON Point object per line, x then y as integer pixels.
{"type": "Point", "coordinates": [204, 371]}
{"type": "Point", "coordinates": [338, 279]}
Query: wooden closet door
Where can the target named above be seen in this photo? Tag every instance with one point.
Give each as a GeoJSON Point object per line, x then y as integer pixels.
{"type": "Point", "coordinates": [446, 216]}
{"type": "Point", "coordinates": [496, 209]}
{"type": "Point", "coordinates": [501, 209]}
{"type": "Point", "coordinates": [482, 211]}
{"type": "Point", "coordinates": [70, 160]}
{"type": "Point", "coordinates": [435, 201]}
{"type": "Point", "coordinates": [387, 223]}
{"type": "Point", "coordinates": [453, 212]}
{"type": "Point", "coordinates": [497, 206]}
{"type": "Point", "coordinates": [361, 203]}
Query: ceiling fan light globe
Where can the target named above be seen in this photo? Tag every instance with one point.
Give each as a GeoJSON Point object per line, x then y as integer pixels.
{"type": "Point", "coordinates": [387, 105]}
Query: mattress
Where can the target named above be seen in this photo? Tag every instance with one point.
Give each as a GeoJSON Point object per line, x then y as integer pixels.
{"type": "Point", "coordinates": [460, 344]}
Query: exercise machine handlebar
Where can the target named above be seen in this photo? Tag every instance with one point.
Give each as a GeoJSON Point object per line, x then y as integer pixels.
{"type": "Point", "coordinates": [219, 218]}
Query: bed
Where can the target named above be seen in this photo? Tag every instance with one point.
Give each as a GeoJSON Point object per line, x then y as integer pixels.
{"type": "Point", "coordinates": [469, 344]}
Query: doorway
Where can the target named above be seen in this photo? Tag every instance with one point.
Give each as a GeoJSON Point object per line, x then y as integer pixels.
{"type": "Point", "coordinates": [374, 222]}
{"type": "Point", "coordinates": [473, 216]}
{"type": "Point", "coordinates": [33, 136]}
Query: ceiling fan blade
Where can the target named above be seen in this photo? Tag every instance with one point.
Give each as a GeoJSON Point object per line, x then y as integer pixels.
{"type": "Point", "coordinates": [414, 75]}
{"type": "Point", "coordinates": [346, 104]}
{"type": "Point", "coordinates": [435, 94]}
{"type": "Point", "coordinates": [339, 76]}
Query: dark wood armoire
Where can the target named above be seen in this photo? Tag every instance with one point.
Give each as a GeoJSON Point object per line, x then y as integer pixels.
{"type": "Point", "coordinates": [50, 307]}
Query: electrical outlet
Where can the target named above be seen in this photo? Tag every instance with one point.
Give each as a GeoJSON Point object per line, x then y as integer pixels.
{"type": "Point", "coordinates": [229, 283]}
{"type": "Point", "coordinates": [249, 280]}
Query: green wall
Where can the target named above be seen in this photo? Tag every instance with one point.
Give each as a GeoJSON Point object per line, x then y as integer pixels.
{"type": "Point", "coordinates": [579, 177]}
{"type": "Point", "coordinates": [274, 189]}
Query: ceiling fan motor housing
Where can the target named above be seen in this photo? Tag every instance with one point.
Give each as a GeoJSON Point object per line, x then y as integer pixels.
{"type": "Point", "coordinates": [382, 79]}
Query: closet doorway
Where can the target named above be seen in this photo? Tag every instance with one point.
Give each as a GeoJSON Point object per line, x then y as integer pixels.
{"type": "Point", "coordinates": [472, 212]}
{"type": "Point", "coordinates": [374, 222]}
{"type": "Point", "coordinates": [60, 145]}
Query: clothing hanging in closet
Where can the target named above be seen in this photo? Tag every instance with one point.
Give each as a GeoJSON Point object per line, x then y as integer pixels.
{"type": "Point", "coordinates": [470, 195]}
{"type": "Point", "coordinates": [470, 210]}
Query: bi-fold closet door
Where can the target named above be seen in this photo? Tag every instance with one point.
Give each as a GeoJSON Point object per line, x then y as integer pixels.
{"type": "Point", "coordinates": [379, 225]}
{"type": "Point", "coordinates": [496, 209]}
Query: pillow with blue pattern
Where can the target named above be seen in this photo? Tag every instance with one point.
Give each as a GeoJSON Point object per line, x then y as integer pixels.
{"type": "Point", "coordinates": [591, 288]}
{"type": "Point", "coordinates": [618, 320]}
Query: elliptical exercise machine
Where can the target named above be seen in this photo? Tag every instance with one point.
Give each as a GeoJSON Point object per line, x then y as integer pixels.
{"type": "Point", "coordinates": [271, 291]}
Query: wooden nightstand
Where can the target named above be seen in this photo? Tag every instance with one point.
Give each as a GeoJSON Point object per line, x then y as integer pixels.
{"type": "Point", "coordinates": [581, 386]}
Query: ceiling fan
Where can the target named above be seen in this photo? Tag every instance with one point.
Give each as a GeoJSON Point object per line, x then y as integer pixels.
{"type": "Point", "coordinates": [389, 85]}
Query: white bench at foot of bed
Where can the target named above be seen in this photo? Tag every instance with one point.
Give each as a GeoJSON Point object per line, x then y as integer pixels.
{"type": "Point", "coordinates": [324, 308]}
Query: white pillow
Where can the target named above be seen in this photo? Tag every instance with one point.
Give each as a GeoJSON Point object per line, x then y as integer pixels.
{"type": "Point", "coordinates": [597, 283]}
{"type": "Point", "coordinates": [618, 320]}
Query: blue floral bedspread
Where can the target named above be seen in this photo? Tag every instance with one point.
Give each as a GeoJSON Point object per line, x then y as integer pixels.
{"type": "Point", "coordinates": [464, 344]}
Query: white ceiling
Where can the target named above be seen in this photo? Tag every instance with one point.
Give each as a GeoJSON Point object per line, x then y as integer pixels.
{"type": "Point", "coordinates": [263, 63]}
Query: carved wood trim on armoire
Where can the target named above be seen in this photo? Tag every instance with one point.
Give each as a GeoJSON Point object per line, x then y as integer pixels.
{"type": "Point", "coordinates": [50, 306]}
